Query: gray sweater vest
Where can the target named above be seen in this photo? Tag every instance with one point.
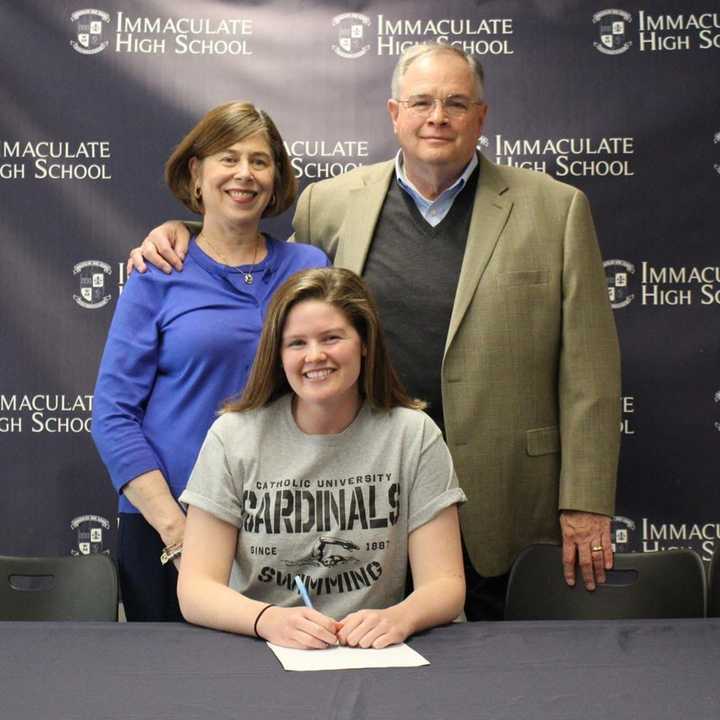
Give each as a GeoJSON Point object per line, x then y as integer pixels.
{"type": "Point", "coordinates": [412, 270]}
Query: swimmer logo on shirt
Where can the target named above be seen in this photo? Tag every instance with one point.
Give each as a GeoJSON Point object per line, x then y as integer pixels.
{"type": "Point", "coordinates": [319, 556]}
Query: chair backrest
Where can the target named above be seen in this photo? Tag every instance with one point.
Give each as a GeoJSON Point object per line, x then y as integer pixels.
{"type": "Point", "coordinates": [663, 584]}
{"type": "Point", "coordinates": [84, 587]}
{"type": "Point", "coordinates": [714, 585]}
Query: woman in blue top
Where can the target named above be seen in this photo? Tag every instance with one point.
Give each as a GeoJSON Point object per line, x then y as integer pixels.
{"type": "Point", "coordinates": [180, 344]}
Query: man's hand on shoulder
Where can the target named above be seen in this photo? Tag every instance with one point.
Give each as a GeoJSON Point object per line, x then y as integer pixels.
{"type": "Point", "coordinates": [165, 247]}
{"type": "Point", "coordinates": [586, 539]}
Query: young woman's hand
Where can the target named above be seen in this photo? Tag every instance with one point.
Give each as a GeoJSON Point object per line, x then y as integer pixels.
{"type": "Point", "coordinates": [373, 628]}
{"type": "Point", "coordinates": [298, 627]}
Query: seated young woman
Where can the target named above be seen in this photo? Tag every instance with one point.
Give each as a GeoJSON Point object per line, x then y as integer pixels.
{"type": "Point", "coordinates": [323, 468]}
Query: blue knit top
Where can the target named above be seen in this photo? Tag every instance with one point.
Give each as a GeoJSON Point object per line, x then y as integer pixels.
{"type": "Point", "coordinates": [178, 346]}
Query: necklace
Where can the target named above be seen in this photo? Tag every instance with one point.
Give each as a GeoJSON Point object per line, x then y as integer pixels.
{"type": "Point", "coordinates": [248, 274]}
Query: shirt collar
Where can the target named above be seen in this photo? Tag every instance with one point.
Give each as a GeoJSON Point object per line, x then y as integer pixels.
{"type": "Point", "coordinates": [454, 189]}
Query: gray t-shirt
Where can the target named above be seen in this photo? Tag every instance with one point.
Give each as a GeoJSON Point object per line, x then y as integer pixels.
{"type": "Point", "coordinates": [335, 509]}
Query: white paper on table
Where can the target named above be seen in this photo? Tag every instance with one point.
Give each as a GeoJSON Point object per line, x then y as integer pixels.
{"type": "Point", "coordinates": [348, 658]}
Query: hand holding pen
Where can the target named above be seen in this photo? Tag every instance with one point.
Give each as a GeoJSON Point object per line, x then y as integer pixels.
{"type": "Point", "coordinates": [298, 627]}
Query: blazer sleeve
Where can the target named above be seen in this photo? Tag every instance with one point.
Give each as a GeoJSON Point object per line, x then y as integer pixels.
{"type": "Point", "coordinates": [301, 218]}
{"type": "Point", "coordinates": [589, 372]}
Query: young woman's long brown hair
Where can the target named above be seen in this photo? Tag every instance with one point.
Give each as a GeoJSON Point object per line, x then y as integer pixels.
{"type": "Point", "coordinates": [343, 289]}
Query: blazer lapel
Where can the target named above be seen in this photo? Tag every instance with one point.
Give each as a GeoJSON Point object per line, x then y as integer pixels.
{"type": "Point", "coordinates": [489, 216]}
{"type": "Point", "coordinates": [364, 205]}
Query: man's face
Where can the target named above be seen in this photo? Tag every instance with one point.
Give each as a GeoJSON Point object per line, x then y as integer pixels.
{"type": "Point", "coordinates": [447, 143]}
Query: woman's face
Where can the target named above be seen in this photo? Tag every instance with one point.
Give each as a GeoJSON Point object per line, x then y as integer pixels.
{"type": "Point", "coordinates": [322, 356]}
{"type": "Point", "coordinates": [236, 183]}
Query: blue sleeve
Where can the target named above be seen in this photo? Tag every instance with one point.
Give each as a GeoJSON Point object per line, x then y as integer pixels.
{"type": "Point", "coordinates": [313, 257]}
{"type": "Point", "coordinates": [295, 257]}
{"type": "Point", "coordinates": [125, 381]}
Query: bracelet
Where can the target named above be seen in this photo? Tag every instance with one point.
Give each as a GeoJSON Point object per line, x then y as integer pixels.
{"type": "Point", "coordinates": [170, 553]}
{"type": "Point", "coordinates": [257, 620]}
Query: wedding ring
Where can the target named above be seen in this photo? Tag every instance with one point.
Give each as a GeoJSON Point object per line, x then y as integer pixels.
{"type": "Point", "coordinates": [596, 548]}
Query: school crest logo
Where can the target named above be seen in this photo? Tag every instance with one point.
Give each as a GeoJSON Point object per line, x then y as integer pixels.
{"type": "Point", "coordinates": [89, 31]}
{"type": "Point", "coordinates": [619, 274]}
{"type": "Point", "coordinates": [612, 28]}
{"type": "Point", "coordinates": [620, 529]}
{"type": "Point", "coordinates": [92, 277]}
{"type": "Point", "coordinates": [351, 30]}
{"type": "Point", "coordinates": [90, 532]}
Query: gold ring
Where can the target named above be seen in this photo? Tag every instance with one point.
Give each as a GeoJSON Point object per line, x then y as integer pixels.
{"type": "Point", "coordinates": [597, 548]}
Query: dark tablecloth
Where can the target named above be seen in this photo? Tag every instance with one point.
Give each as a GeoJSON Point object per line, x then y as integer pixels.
{"type": "Point", "coordinates": [593, 670]}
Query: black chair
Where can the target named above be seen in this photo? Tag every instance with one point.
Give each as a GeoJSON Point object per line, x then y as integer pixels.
{"type": "Point", "coordinates": [663, 584]}
{"type": "Point", "coordinates": [84, 587]}
{"type": "Point", "coordinates": [714, 586]}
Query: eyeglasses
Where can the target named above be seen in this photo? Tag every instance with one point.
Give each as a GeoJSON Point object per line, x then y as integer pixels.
{"type": "Point", "coordinates": [454, 106]}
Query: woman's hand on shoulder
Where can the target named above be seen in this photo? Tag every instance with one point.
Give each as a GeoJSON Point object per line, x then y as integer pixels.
{"type": "Point", "coordinates": [298, 627]}
{"type": "Point", "coordinates": [374, 628]}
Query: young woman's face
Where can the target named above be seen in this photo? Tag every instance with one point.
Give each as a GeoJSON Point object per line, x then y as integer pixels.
{"type": "Point", "coordinates": [322, 356]}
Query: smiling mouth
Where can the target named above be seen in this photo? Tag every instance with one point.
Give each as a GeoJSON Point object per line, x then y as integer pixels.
{"type": "Point", "coordinates": [318, 374]}
{"type": "Point", "coordinates": [242, 195]}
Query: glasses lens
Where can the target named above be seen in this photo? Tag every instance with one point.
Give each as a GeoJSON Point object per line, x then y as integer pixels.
{"type": "Point", "coordinates": [420, 104]}
{"type": "Point", "coordinates": [454, 105]}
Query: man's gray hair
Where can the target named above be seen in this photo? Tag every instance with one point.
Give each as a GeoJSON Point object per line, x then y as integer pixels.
{"type": "Point", "coordinates": [417, 51]}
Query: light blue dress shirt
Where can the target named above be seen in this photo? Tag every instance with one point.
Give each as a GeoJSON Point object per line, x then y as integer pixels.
{"type": "Point", "coordinates": [433, 211]}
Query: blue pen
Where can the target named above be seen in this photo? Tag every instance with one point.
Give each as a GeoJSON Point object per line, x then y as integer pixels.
{"type": "Point", "coordinates": [303, 592]}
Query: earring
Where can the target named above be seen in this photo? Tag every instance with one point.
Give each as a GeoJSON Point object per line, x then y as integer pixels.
{"type": "Point", "coordinates": [197, 191]}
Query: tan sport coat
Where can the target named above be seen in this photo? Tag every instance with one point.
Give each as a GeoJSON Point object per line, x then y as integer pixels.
{"type": "Point", "coordinates": [531, 371]}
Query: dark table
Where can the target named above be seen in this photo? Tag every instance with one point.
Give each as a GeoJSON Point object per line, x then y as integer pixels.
{"type": "Point", "coordinates": [604, 670]}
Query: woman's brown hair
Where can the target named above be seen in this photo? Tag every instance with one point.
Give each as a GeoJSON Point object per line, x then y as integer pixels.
{"type": "Point", "coordinates": [218, 130]}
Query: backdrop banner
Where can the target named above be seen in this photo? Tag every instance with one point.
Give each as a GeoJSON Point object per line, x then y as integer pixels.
{"type": "Point", "coordinates": [622, 101]}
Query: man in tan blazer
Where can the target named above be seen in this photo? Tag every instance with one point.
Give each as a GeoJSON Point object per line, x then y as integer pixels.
{"type": "Point", "coordinates": [530, 376]}
{"type": "Point", "coordinates": [525, 375]}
